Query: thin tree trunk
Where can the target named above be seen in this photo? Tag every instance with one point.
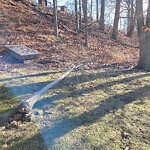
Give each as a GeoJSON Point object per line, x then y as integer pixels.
{"type": "Point", "coordinates": [40, 1]}
{"type": "Point", "coordinates": [84, 5]}
{"type": "Point", "coordinates": [102, 26]}
{"type": "Point", "coordinates": [80, 17]}
{"type": "Point", "coordinates": [97, 11]}
{"type": "Point", "coordinates": [116, 20]}
{"type": "Point", "coordinates": [77, 17]}
{"type": "Point", "coordinates": [132, 20]}
{"type": "Point", "coordinates": [55, 17]}
{"type": "Point", "coordinates": [128, 14]}
{"type": "Point", "coordinates": [45, 2]}
{"type": "Point", "coordinates": [91, 8]}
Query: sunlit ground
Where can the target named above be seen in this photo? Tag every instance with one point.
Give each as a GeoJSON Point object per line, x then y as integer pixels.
{"type": "Point", "coordinates": [88, 110]}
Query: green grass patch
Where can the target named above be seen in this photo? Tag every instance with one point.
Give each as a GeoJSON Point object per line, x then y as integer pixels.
{"type": "Point", "coordinates": [101, 110]}
{"type": "Point", "coordinates": [19, 136]}
{"type": "Point", "coordinates": [88, 110]}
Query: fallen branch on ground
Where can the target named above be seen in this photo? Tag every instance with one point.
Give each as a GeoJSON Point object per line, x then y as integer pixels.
{"type": "Point", "coordinates": [23, 111]}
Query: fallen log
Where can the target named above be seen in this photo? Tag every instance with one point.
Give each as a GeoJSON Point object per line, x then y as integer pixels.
{"type": "Point", "coordinates": [23, 111]}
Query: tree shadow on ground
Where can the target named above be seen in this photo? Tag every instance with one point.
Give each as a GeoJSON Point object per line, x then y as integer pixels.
{"type": "Point", "coordinates": [29, 76]}
{"type": "Point", "coordinates": [33, 143]}
{"type": "Point", "coordinates": [77, 79]}
{"type": "Point", "coordinates": [109, 105]}
{"type": "Point", "coordinates": [76, 93]}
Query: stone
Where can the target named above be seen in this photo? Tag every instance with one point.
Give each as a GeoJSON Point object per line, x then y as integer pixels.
{"type": "Point", "coordinates": [21, 52]}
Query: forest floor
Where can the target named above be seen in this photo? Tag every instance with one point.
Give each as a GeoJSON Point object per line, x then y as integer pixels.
{"type": "Point", "coordinates": [104, 105]}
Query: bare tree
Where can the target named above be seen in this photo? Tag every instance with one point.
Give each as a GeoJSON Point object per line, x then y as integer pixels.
{"type": "Point", "coordinates": [80, 17]}
{"type": "Point", "coordinates": [84, 6]}
{"type": "Point", "coordinates": [77, 17]}
{"type": "Point", "coordinates": [102, 15]}
{"type": "Point", "coordinates": [91, 8]}
{"type": "Point", "coordinates": [97, 11]}
{"type": "Point", "coordinates": [116, 20]}
{"type": "Point", "coordinates": [148, 16]}
{"type": "Point", "coordinates": [131, 18]}
{"type": "Point", "coordinates": [55, 17]}
{"type": "Point", "coordinates": [144, 36]}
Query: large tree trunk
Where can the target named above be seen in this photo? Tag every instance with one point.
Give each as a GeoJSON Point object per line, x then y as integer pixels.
{"type": "Point", "coordinates": [144, 37]}
{"type": "Point", "coordinates": [102, 27]}
{"type": "Point", "coordinates": [116, 20]}
{"type": "Point", "coordinates": [55, 17]}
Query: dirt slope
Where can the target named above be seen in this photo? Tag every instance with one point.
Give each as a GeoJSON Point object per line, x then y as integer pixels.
{"type": "Point", "coordinates": [21, 24]}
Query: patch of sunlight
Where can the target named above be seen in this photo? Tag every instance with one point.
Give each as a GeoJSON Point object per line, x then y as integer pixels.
{"type": "Point", "coordinates": [102, 110]}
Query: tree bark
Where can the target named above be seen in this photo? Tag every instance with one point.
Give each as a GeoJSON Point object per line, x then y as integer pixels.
{"type": "Point", "coordinates": [97, 12]}
{"type": "Point", "coordinates": [91, 8]}
{"type": "Point", "coordinates": [128, 2]}
{"type": "Point", "coordinates": [40, 1]}
{"type": "Point", "coordinates": [116, 20]}
{"type": "Point", "coordinates": [45, 2]}
{"type": "Point", "coordinates": [80, 17]}
{"type": "Point", "coordinates": [102, 26]}
{"type": "Point", "coordinates": [131, 23]}
{"type": "Point", "coordinates": [55, 17]}
{"type": "Point", "coordinates": [77, 17]}
{"type": "Point", "coordinates": [144, 37]}
{"type": "Point", "coordinates": [26, 106]}
{"type": "Point", "coordinates": [84, 6]}
{"type": "Point", "coordinates": [148, 16]}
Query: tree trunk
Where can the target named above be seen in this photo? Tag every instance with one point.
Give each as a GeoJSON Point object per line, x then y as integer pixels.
{"type": "Point", "coordinates": [45, 2]}
{"type": "Point", "coordinates": [144, 37]}
{"type": "Point", "coordinates": [97, 12]}
{"type": "Point", "coordinates": [55, 17]}
{"type": "Point", "coordinates": [116, 20]}
{"type": "Point", "coordinates": [77, 17]}
{"type": "Point", "coordinates": [128, 2]}
{"type": "Point", "coordinates": [26, 106]}
{"type": "Point", "coordinates": [84, 6]}
{"type": "Point", "coordinates": [148, 16]}
{"type": "Point", "coordinates": [80, 17]}
{"type": "Point", "coordinates": [102, 27]}
{"type": "Point", "coordinates": [40, 1]}
{"type": "Point", "coordinates": [91, 8]}
{"type": "Point", "coordinates": [131, 25]}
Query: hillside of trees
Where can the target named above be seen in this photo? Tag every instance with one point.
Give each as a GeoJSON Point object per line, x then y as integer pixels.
{"type": "Point", "coordinates": [33, 25]}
